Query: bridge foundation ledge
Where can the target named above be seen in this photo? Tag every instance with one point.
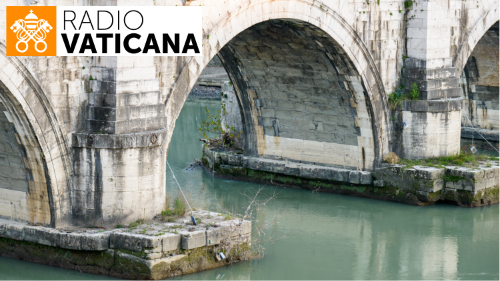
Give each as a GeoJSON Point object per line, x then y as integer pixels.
{"type": "Point", "coordinates": [417, 185]}
{"type": "Point", "coordinates": [142, 250]}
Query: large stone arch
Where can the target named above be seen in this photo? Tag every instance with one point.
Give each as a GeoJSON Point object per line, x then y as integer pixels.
{"type": "Point", "coordinates": [480, 26]}
{"type": "Point", "coordinates": [43, 139]}
{"type": "Point", "coordinates": [327, 19]}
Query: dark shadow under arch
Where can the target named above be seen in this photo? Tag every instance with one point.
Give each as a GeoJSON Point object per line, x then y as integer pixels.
{"type": "Point", "coordinates": [291, 75]}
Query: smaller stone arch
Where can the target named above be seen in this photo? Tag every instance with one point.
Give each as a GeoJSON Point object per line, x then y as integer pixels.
{"type": "Point", "coordinates": [46, 151]}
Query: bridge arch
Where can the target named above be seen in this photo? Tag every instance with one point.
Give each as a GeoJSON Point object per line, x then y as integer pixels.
{"type": "Point", "coordinates": [360, 76]}
{"type": "Point", "coordinates": [44, 154]}
{"type": "Point", "coordinates": [481, 25]}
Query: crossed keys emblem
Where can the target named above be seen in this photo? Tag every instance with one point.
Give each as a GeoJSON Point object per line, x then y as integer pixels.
{"type": "Point", "coordinates": [31, 29]}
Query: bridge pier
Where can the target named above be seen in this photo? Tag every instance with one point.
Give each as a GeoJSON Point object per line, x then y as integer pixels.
{"type": "Point", "coordinates": [119, 163]}
{"type": "Point", "coordinates": [430, 126]}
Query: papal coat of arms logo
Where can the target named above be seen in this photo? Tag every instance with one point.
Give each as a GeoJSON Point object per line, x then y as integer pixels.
{"type": "Point", "coordinates": [31, 28]}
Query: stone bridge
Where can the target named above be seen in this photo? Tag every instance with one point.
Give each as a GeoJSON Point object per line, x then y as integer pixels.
{"type": "Point", "coordinates": [84, 140]}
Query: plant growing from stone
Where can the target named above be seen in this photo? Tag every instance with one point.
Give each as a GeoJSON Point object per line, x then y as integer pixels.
{"type": "Point", "coordinates": [212, 126]}
{"type": "Point", "coordinates": [179, 208]}
{"type": "Point", "coordinates": [231, 242]}
{"type": "Point", "coordinates": [414, 93]}
{"type": "Point", "coordinates": [397, 96]}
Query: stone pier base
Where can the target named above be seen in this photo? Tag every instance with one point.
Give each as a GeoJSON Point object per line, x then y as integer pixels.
{"type": "Point", "coordinates": [141, 250]}
{"type": "Point", "coordinates": [417, 185]}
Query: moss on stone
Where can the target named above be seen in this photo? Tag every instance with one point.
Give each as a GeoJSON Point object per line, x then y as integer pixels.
{"type": "Point", "coordinates": [360, 189]}
{"type": "Point", "coordinates": [109, 263]}
{"type": "Point", "coordinates": [140, 254]}
{"type": "Point", "coordinates": [433, 196]}
{"type": "Point", "coordinates": [449, 178]}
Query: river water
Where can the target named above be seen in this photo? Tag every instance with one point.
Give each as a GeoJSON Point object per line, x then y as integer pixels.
{"type": "Point", "coordinates": [327, 236]}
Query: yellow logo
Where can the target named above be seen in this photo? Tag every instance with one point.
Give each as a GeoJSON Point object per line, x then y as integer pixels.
{"type": "Point", "coordinates": [31, 36]}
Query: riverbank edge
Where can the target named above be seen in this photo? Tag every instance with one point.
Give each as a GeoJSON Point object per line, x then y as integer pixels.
{"type": "Point", "coordinates": [417, 185]}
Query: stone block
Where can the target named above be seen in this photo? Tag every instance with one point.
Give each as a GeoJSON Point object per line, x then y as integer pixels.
{"type": "Point", "coordinates": [41, 235]}
{"type": "Point", "coordinates": [491, 182]}
{"type": "Point", "coordinates": [478, 185]}
{"type": "Point", "coordinates": [469, 186]}
{"type": "Point", "coordinates": [133, 242]}
{"type": "Point", "coordinates": [245, 227]}
{"type": "Point", "coordinates": [72, 241]}
{"type": "Point", "coordinates": [366, 177]}
{"type": "Point", "coordinates": [279, 167]}
{"type": "Point", "coordinates": [308, 171]}
{"type": "Point", "coordinates": [214, 236]}
{"type": "Point", "coordinates": [153, 256]}
{"type": "Point", "coordinates": [252, 163]}
{"type": "Point", "coordinates": [473, 175]}
{"type": "Point", "coordinates": [324, 172]}
{"type": "Point", "coordinates": [354, 177]}
{"type": "Point", "coordinates": [265, 165]}
{"type": "Point", "coordinates": [489, 173]}
{"type": "Point", "coordinates": [429, 172]}
{"type": "Point", "coordinates": [95, 242]}
{"type": "Point", "coordinates": [13, 230]}
{"type": "Point", "coordinates": [292, 169]}
{"type": "Point", "coordinates": [234, 160]}
{"type": "Point", "coordinates": [340, 175]}
{"type": "Point", "coordinates": [170, 242]}
{"type": "Point", "coordinates": [431, 105]}
{"type": "Point", "coordinates": [192, 240]}
{"type": "Point", "coordinates": [224, 158]}
{"type": "Point", "coordinates": [378, 183]}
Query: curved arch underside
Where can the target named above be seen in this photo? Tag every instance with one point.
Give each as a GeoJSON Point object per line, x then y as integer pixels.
{"type": "Point", "coordinates": [480, 83]}
{"type": "Point", "coordinates": [25, 194]}
{"type": "Point", "coordinates": [302, 98]}
{"type": "Point", "coordinates": [37, 120]}
{"type": "Point", "coordinates": [481, 25]}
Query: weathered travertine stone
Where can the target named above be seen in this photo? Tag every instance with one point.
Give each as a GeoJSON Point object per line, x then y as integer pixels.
{"type": "Point", "coordinates": [311, 89]}
{"type": "Point", "coordinates": [195, 239]}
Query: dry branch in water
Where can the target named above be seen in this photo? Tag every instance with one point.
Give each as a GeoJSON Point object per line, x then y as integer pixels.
{"type": "Point", "coordinates": [235, 238]}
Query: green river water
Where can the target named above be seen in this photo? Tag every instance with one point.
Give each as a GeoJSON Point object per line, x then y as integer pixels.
{"type": "Point", "coordinates": [327, 236]}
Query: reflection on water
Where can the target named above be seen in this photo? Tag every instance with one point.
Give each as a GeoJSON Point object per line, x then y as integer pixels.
{"type": "Point", "coordinates": [328, 236]}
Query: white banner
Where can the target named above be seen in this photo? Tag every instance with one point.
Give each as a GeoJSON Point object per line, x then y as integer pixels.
{"type": "Point", "coordinates": [129, 31]}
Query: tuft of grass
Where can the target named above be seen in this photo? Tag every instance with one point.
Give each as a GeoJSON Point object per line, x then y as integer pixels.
{"type": "Point", "coordinates": [119, 226]}
{"type": "Point", "coordinates": [179, 208]}
{"type": "Point", "coordinates": [137, 223]}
